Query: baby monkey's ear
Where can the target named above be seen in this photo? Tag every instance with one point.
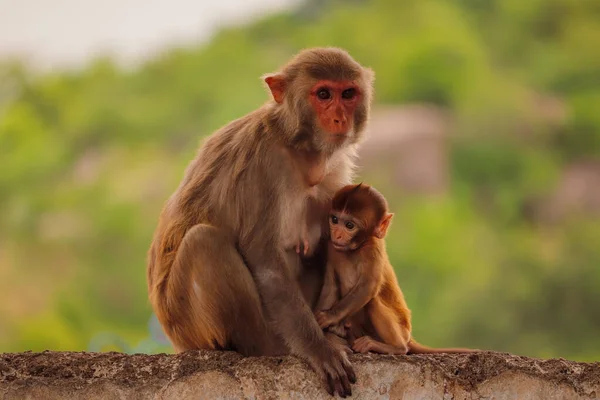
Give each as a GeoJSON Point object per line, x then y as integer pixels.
{"type": "Point", "coordinates": [382, 227]}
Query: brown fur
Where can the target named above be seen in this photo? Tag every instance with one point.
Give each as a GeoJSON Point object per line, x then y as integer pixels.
{"type": "Point", "coordinates": [361, 291]}
{"type": "Point", "coordinates": [222, 271]}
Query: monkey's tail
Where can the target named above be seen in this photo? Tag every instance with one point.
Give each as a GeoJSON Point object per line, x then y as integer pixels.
{"type": "Point", "coordinates": [416, 348]}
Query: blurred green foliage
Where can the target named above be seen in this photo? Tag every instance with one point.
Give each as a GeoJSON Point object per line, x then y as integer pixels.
{"type": "Point", "coordinates": [89, 157]}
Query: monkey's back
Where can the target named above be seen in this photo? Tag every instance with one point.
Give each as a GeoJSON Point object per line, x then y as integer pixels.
{"type": "Point", "coordinates": [391, 295]}
{"type": "Point", "coordinates": [214, 185]}
{"type": "Point", "coordinates": [389, 292]}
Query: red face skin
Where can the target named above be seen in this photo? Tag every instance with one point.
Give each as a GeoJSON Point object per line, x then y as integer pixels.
{"type": "Point", "coordinates": [343, 228]}
{"type": "Point", "coordinates": [334, 103]}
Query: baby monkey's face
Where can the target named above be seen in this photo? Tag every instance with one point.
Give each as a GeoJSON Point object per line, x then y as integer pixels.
{"type": "Point", "coordinates": [358, 214]}
{"type": "Point", "coordinates": [344, 229]}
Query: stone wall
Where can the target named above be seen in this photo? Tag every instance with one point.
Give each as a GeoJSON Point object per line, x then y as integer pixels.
{"type": "Point", "coordinates": [226, 375]}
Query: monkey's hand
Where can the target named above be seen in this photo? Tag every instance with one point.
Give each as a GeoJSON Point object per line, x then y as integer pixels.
{"type": "Point", "coordinates": [340, 342]}
{"type": "Point", "coordinates": [325, 319]}
{"type": "Point", "coordinates": [331, 363]}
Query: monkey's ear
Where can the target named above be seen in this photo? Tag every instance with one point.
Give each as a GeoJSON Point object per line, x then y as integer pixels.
{"type": "Point", "coordinates": [384, 224]}
{"type": "Point", "coordinates": [277, 85]}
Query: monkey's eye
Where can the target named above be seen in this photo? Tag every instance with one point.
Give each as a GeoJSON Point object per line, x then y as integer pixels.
{"type": "Point", "coordinates": [350, 225]}
{"type": "Point", "coordinates": [334, 219]}
{"type": "Point", "coordinates": [348, 93]}
{"type": "Point", "coordinates": [323, 94]}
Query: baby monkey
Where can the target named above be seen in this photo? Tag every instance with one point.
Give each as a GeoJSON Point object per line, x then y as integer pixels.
{"type": "Point", "coordinates": [360, 291]}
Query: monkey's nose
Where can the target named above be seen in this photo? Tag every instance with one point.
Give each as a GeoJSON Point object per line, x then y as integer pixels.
{"type": "Point", "coordinates": [339, 120]}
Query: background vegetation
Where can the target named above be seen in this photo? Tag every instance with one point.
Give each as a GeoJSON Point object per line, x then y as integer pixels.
{"type": "Point", "coordinates": [87, 159]}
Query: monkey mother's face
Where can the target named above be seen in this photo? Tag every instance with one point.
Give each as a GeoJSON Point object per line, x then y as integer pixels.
{"type": "Point", "coordinates": [324, 96]}
{"type": "Point", "coordinates": [334, 104]}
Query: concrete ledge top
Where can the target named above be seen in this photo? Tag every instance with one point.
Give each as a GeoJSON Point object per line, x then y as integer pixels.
{"type": "Point", "coordinates": [207, 375]}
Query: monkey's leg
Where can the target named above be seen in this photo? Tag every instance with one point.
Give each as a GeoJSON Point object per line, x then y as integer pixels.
{"type": "Point", "coordinates": [217, 296]}
{"type": "Point", "coordinates": [386, 322]}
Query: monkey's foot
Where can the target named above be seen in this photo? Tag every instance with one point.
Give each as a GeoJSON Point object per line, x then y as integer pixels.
{"type": "Point", "coordinates": [364, 344]}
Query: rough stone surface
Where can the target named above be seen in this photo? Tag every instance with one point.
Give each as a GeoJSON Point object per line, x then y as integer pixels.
{"type": "Point", "coordinates": [227, 375]}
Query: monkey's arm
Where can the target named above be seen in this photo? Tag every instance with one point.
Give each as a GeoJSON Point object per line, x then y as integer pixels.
{"type": "Point", "coordinates": [364, 290]}
{"type": "Point", "coordinates": [282, 299]}
{"type": "Point", "coordinates": [329, 292]}
{"type": "Point", "coordinates": [292, 317]}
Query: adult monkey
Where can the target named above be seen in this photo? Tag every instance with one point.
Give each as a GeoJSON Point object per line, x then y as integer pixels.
{"type": "Point", "coordinates": [223, 271]}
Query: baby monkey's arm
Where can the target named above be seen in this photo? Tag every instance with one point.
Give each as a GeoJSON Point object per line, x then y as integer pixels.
{"type": "Point", "coordinates": [363, 291]}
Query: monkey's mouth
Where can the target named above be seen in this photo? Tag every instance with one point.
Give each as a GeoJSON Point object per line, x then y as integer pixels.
{"type": "Point", "coordinates": [338, 137]}
{"type": "Point", "coordinates": [339, 247]}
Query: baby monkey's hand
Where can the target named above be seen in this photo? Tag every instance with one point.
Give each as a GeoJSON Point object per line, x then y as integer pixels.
{"type": "Point", "coordinates": [325, 319]}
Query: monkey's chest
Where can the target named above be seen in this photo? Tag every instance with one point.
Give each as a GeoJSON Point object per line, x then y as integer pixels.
{"type": "Point", "coordinates": [347, 275]}
{"type": "Point", "coordinates": [301, 223]}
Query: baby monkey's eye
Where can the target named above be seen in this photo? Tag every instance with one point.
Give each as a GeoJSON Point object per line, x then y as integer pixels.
{"type": "Point", "coordinates": [350, 225]}
{"type": "Point", "coordinates": [334, 219]}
